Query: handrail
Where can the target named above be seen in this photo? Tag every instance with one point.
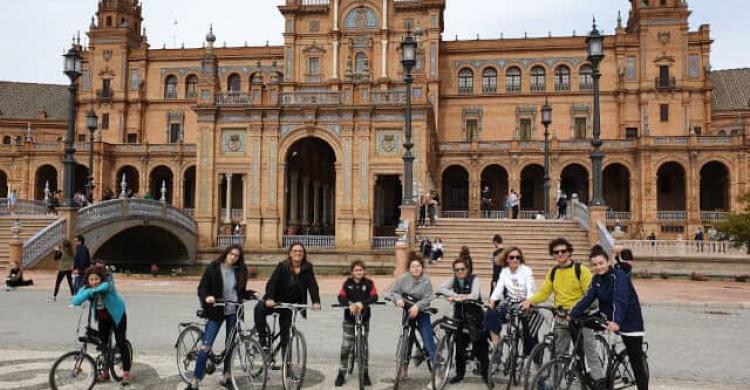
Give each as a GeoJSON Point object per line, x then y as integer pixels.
{"type": "Point", "coordinates": [605, 238]}
{"type": "Point", "coordinates": [41, 243]}
{"type": "Point", "coordinates": [581, 213]}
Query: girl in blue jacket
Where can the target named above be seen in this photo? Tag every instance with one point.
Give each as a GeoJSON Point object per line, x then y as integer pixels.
{"type": "Point", "coordinates": [99, 288]}
{"type": "Point", "coordinates": [619, 302]}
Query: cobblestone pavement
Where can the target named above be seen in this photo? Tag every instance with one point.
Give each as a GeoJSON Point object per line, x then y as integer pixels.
{"type": "Point", "coordinates": [691, 347]}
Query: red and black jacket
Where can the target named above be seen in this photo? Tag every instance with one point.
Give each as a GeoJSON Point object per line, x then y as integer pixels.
{"type": "Point", "coordinates": [353, 292]}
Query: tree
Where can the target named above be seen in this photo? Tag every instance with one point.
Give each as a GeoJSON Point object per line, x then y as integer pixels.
{"type": "Point", "coordinates": [737, 225]}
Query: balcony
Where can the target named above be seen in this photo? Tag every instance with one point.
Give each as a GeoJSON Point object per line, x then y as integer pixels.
{"type": "Point", "coordinates": [233, 99]}
{"type": "Point", "coordinates": [665, 83]}
{"type": "Point", "coordinates": [586, 86]}
{"type": "Point", "coordinates": [538, 87]}
{"type": "Point", "coordinates": [513, 88]}
{"type": "Point", "coordinates": [310, 98]}
{"type": "Point", "coordinates": [714, 216]}
{"type": "Point", "coordinates": [489, 89]}
{"type": "Point", "coordinates": [465, 90]}
{"type": "Point", "coordinates": [671, 215]}
{"type": "Point", "coordinates": [562, 87]}
{"type": "Point", "coordinates": [104, 95]}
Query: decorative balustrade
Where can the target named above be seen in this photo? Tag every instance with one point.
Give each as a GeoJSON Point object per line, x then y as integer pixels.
{"type": "Point", "coordinates": [530, 214]}
{"type": "Point", "coordinates": [384, 241]}
{"type": "Point", "coordinates": [23, 206]}
{"type": "Point", "coordinates": [309, 241]}
{"type": "Point", "coordinates": [665, 83]}
{"type": "Point", "coordinates": [605, 238]}
{"type": "Point", "coordinates": [42, 243]}
{"type": "Point", "coordinates": [310, 98]}
{"type": "Point", "coordinates": [454, 146]}
{"type": "Point", "coordinates": [117, 208]}
{"type": "Point", "coordinates": [234, 99]}
{"type": "Point", "coordinates": [578, 144]}
{"type": "Point", "coordinates": [314, 3]}
{"type": "Point", "coordinates": [684, 248]}
{"type": "Point", "coordinates": [671, 140]}
{"type": "Point", "coordinates": [624, 216]}
{"type": "Point", "coordinates": [495, 214]}
{"type": "Point", "coordinates": [534, 145]}
{"type": "Point", "coordinates": [580, 213]}
{"type": "Point", "coordinates": [56, 147]}
{"type": "Point", "coordinates": [397, 96]}
{"type": "Point", "coordinates": [454, 214]}
{"type": "Point", "coordinates": [225, 240]}
{"type": "Point", "coordinates": [189, 212]}
{"type": "Point", "coordinates": [671, 215]}
{"type": "Point", "coordinates": [715, 140]}
{"type": "Point", "coordinates": [714, 216]}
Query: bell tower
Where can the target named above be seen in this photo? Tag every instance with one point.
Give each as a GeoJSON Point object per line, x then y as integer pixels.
{"type": "Point", "coordinates": [120, 18]}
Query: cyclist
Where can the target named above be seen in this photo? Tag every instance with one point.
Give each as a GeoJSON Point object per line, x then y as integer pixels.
{"type": "Point", "coordinates": [110, 312]}
{"type": "Point", "coordinates": [290, 282]}
{"type": "Point", "coordinates": [357, 292]}
{"type": "Point", "coordinates": [465, 285]}
{"type": "Point", "coordinates": [224, 279]}
{"type": "Point", "coordinates": [416, 285]}
{"type": "Point", "coordinates": [618, 301]}
{"type": "Point", "coordinates": [568, 281]}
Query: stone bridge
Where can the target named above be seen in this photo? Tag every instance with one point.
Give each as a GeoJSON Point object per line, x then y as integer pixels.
{"type": "Point", "coordinates": [101, 222]}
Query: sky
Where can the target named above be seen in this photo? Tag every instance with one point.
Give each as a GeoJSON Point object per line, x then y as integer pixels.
{"type": "Point", "coordinates": [36, 32]}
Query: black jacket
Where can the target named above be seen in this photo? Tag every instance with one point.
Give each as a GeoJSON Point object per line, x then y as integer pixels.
{"type": "Point", "coordinates": [353, 292]}
{"type": "Point", "coordinates": [212, 284]}
{"type": "Point", "coordinates": [285, 286]}
{"type": "Point", "coordinates": [81, 260]}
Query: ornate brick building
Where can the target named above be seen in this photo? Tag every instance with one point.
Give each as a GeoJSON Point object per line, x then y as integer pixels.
{"type": "Point", "coordinates": [305, 138]}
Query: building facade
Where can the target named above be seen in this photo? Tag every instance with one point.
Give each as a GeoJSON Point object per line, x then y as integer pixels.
{"type": "Point", "coordinates": [306, 138]}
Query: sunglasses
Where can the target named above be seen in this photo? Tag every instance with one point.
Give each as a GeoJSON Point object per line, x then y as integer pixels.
{"type": "Point", "coordinates": [459, 269]}
{"type": "Point", "coordinates": [515, 258]}
{"type": "Point", "coordinates": [560, 252]}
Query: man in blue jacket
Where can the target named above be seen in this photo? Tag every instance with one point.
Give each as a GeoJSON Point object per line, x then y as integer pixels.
{"type": "Point", "coordinates": [81, 261]}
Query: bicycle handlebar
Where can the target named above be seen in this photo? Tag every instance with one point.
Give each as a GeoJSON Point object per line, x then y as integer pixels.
{"type": "Point", "coordinates": [475, 302]}
{"type": "Point", "coordinates": [338, 305]}
{"type": "Point", "coordinates": [293, 306]}
{"type": "Point", "coordinates": [556, 311]}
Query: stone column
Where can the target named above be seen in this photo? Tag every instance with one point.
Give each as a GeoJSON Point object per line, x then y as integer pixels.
{"type": "Point", "coordinates": [316, 203]}
{"type": "Point", "coordinates": [244, 198]}
{"type": "Point", "coordinates": [293, 198]}
{"type": "Point", "coordinates": [384, 60]}
{"type": "Point", "coordinates": [335, 15]}
{"type": "Point", "coordinates": [335, 59]}
{"type": "Point", "coordinates": [228, 216]}
{"type": "Point", "coordinates": [305, 201]}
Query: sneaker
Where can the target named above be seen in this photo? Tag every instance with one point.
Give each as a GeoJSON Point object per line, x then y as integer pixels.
{"type": "Point", "coordinates": [191, 387]}
{"type": "Point", "coordinates": [340, 379]}
{"type": "Point", "coordinates": [50, 299]}
{"type": "Point", "coordinates": [456, 379]}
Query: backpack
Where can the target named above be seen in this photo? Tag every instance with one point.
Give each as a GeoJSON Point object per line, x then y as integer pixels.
{"type": "Point", "coordinates": [577, 267]}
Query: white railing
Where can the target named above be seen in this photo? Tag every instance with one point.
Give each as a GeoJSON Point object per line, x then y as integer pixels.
{"type": "Point", "coordinates": [454, 214]}
{"type": "Point", "coordinates": [714, 216]}
{"type": "Point", "coordinates": [682, 248]}
{"type": "Point", "coordinates": [41, 243]}
{"type": "Point", "coordinates": [23, 206]}
{"type": "Point", "coordinates": [310, 98]}
{"type": "Point", "coordinates": [619, 216]}
{"type": "Point", "coordinates": [101, 211]}
{"type": "Point", "coordinates": [309, 241]}
{"type": "Point", "coordinates": [314, 2]}
{"type": "Point", "coordinates": [605, 238]}
{"type": "Point", "coordinates": [581, 214]}
{"type": "Point", "coordinates": [671, 215]}
{"type": "Point", "coordinates": [116, 208]}
{"type": "Point", "coordinates": [384, 241]}
{"type": "Point", "coordinates": [225, 240]}
{"type": "Point", "coordinates": [495, 214]}
{"type": "Point", "coordinates": [233, 99]}
{"type": "Point", "coordinates": [529, 214]}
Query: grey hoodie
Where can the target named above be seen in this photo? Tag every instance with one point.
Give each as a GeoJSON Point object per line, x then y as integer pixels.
{"type": "Point", "coordinates": [420, 289]}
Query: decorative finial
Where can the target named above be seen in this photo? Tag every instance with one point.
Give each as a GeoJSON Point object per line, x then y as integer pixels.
{"type": "Point", "coordinates": [619, 19]}
{"type": "Point", "coordinates": [92, 25]}
{"type": "Point", "coordinates": [594, 20]}
{"type": "Point", "coordinates": [78, 38]}
{"type": "Point", "coordinates": [210, 37]}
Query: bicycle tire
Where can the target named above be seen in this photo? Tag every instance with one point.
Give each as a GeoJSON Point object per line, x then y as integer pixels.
{"type": "Point", "coordinates": [247, 365]}
{"type": "Point", "coordinates": [402, 358]}
{"type": "Point", "coordinates": [513, 379]}
{"type": "Point", "coordinates": [295, 359]}
{"type": "Point", "coordinates": [603, 352]}
{"type": "Point", "coordinates": [443, 361]}
{"type": "Point", "coordinates": [554, 375]}
{"type": "Point", "coordinates": [361, 358]}
{"type": "Point", "coordinates": [620, 374]}
{"type": "Point", "coordinates": [115, 368]}
{"type": "Point", "coordinates": [83, 369]}
{"type": "Point", "coordinates": [188, 346]}
{"type": "Point", "coordinates": [540, 354]}
{"type": "Point", "coordinates": [497, 371]}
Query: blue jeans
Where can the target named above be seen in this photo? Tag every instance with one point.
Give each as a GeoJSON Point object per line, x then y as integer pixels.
{"type": "Point", "coordinates": [425, 330]}
{"type": "Point", "coordinates": [209, 335]}
{"type": "Point", "coordinates": [77, 282]}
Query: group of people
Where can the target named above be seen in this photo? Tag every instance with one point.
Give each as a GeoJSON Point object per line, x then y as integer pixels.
{"type": "Point", "coordinates": [428, 206]}
{"type": "Point", "coordinates": [432, 251]}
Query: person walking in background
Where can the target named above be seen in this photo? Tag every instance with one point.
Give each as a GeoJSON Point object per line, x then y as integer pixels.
{"type": "Point", "coordinates": [64, 259]}
{"type": "Point", "coordinates": [497, 262]}
{"type": "Point", "coordinates": [699, 237]}
{"type": "Point", "coordinates": [81, 261]}
{"type": "Point", "coordinates": [425, 247]}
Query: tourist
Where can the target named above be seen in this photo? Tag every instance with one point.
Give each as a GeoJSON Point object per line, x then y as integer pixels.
{"type": "Point", "coordinates": [224, 280]}
{"type": "Point", "coordinates": [618, 301]}
{"type": "Point", "coordinates": [462, 286]}
{"type": "Point", "coordinates": [562, 207]}
{"type": "Point", "coordinates": [12, 198]}
{"type": "Point", "coordinates": [514, 200]}
{"type": "Point", "coordinates": [64, 259]}
{"type": "Point", "coordinates": [81, 262]}
{"type": "Point", "coordinates": [15, 278]}
{"type": "Point", "coordinates": [624, 261]}
{"type": "Point", "coordinates": [699, 237]}
{"type": "Point", "coordinates": [437, 250]}
{"type": "Point", "coordinates": [422, 204]}
{"type": "Point", "coordinates": [291, 282]}
{"type": "Point", "coordinates": [486, 202]}
{"type": "Point", "coordinates": [497, 243]}
{"type": "Point", "coordinates": [425, 247]}
{"type": "Point", "coordinates": [357, 292]}
{"type": "Point", "coordinates": [465, 254]}
{"type": "Point", "coordinates": [431, 209]}
{"type": "Point", "coordinates": [110, 312]}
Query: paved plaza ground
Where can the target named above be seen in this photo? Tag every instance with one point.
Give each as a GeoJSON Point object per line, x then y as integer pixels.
{"type": "Point", "coordinates": [696, 333]}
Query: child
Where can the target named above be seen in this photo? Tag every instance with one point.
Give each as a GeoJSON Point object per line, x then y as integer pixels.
{"type": "Point", "coordinates": [357, 292]}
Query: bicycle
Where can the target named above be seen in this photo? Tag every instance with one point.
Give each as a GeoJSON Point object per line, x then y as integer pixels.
{"type": "Point", "coordinates": [78, 369]}
{"type": "Point", "coordinates": [408, 338]}
{"type": "Point", "coordinates": [452, 328]}
{"type": "Point", "coordinates": [247, 363]}
{"type": "Point", "coordinates": [620, 374]}
{"type": "Point", "coordinates": [294, 359]}
{"type": "Point", "coordinates": [359, 357]}
{"type": "Point", "coordinates": [505, 359]}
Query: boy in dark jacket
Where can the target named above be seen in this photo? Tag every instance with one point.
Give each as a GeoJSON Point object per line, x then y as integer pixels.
{"type": "Point", "coordinates": [358, 292]}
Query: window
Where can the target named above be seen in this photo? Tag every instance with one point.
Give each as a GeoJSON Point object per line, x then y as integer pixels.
{"type": "Point", "coordinates": [525, 130]}
{"type": "Point", "coordinates": [170, 87]}
{"type": "Point", "coordinates": [106, 88]}
{"type": "Point", "coordinates": [191, 87]}
{"type": "Point", "coordinates": [587, 78]}
{"type": "Point", "coordinates": [538, 79]}
{"type": "Point", "coordinates": [81, 137]}
{"type": "Point", "coordinates": [465, 81]}
{"type": "Point", "coordinates": [233, 83]}
{"type": "Point", "coordinates": [580, 128]}
{"type": "Point", "coordinates": [19, 140]}
{"type": "Point", "coordinates": [513, 80]}
{"type": "Point", "coordinates": [256, 78]}
{"type": "Point", "coordinates": [313, 69]}
{"type": "Point", "coordinates": [360, 63]}
{"type": "Point", "coordinates": [175, 130]}
{"type": "Point", "coordinates": [694, 65]}
{"type": "Point", "coordinates": [664, 79]}
{"type": "Point", "coordinates": [663, 3]}
{"type": "Point", "coordinates": [105, 121]}
{"type": "Point", "coordinates": [698, 130]}
{"type": "Point", "coordinates": [630, 68]}
{"type": "Point", "coordinates": [472, 130]}
{"type": "Point", "coordinates": [489, 81]}
{"type": "Point", "coordinates": [664, 112]}
{"type": "Point", "coordinates": [631, 132]}
{"type": "Point", "coordinates": [7, 140]}
{"type": "Point", "coordinates": [109, 21]}
{"type": "Point", "coordinates": [562, 78]}
{"type": "Point", "coordinates": [132, 138]}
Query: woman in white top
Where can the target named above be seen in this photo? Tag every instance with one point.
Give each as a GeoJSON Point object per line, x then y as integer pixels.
{"type": "Point", "coordinates": [516, 283]}
{"type": "Point", "coordinates": [437, 250]}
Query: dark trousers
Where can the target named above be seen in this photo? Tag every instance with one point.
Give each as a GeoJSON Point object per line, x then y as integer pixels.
{"type": "Point", "coordinates": [77, 282]}
{"type": "Point", "coordinates": [422, 213]}
{"type": "Point", "coordinates": [347, 344]}
{"type": "Point", "coordinates": [478, 338]}
{"type": "Point", "coordinates": [634, 347]}
{"type": "Point", "coordinates": [285, 321]}
{"type": "Point", "coordinates": [105, 329]}
{"type": "Point", "coordinates": [515, 212]}
{"type": "Point", "coordinates": [209, 336]}
{"type": "Point", "coordinates": [60, 276]}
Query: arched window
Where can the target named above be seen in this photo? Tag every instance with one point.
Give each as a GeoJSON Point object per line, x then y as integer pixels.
{"type": "Point", "coordinates": [360, 63]}
{"type": "Point", "coordinates": [191, 87]}
{"type": "Point", "coordinates": [587, 78]}
{"type": "Point", "coordinates": [170, 87]}
{"type": "Point", "coordinates": [562, 78]}
{"type": "Point", "coordinates": [489, 80]}
{"type": "Point", "coordinates": [7, 140]}
{"type": "Point", "coordinates": [465, 81]}
{"type": "Point", "coordinates": [538, 82]}
{"type": "Point", "coordinates": [256, 78]}
{"type": "Point", "coordinates": [513, 80]}
{"type": "Point", "coordinates": [233, 83]}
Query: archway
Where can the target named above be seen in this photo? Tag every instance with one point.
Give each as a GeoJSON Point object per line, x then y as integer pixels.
{"type": "Point", "coordinates": [156, 246]}
{"type": "Point", "coordinates": [132, 180]}
{"type": "Point", "coordinates": [81, 178]}
{"type": "Point", "coordinates": [715, 187]}
{"type": "Point", "coordinates": [670, 187]}
{"type": "Point", "coordinates": [574, 179]}
{"type": "Point", "coordinates": [188, 188]}
{"type": "Point", "coordinates": [311, 187]}
{"type": "Point", "coordinates": [495, 178]}
{"type": "Point", "coordinates": [161, 175]}
{"type": "Point", "coordinates": [455, 189]}
{"type": "Point", "coordinates": [532, 187]}
{"type": "Point", "coordinates": [45, 178]}
{"type": "Point", "coordinates": [3, 184]}
{"type": "Point", "coordinates": [616, 183]}
{"type": "Point", "coordinates": [388, 195]}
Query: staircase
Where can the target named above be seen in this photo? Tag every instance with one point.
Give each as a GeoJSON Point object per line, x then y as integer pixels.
{"type": "Point", "coordinates": [30, 225]}
{"type": "Point", "coordinates": [532, 236]}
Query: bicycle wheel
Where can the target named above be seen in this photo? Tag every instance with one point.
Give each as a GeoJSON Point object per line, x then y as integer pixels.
{"type": "Point", "coordinates": [443, 361]}
{"type": "Point", "coordinates": [513, 363]}
{"type": "Point", "coordinates": [360, 353]}
{"type": "Point", "coordinates": [601, 346]}
{"type": "Point", "coordinates": [498, 367]}
{"type": "Point", "coordinates": [188, 345]}
{"type": "Point", "coordinates": [248, 364]}
{"type": "Point", "coordinates": [402, 358]}
{"type": "Point", "coordinates": [556, 375]}
{"type": "Point", "coordinates": [540, 354]}
{"type": "Point", "coordinates": [73, 370]}
{"type": "Point", "coordinates": [295, 362]}
{"type": "Point", "coordinates": [115, 368]}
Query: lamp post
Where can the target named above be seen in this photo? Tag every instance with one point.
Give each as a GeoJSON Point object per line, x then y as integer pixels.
{"type": "Point", "coordinates": [91, 122]}
{"type": "Point", "coordinates": [546, 120]}
{"type": "Point", "coordinates": [72, 69]}
{"type": "Point", "coordinates": [408, 60]}
{"type": "Point", "coordinates": [595, 49]}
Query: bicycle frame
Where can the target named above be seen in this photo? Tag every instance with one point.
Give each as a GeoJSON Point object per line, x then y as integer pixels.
{"type": "Point", "coordinates": [276, 336]}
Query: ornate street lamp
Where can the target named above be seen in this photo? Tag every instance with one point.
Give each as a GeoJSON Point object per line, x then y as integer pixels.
{"type": "Point", "coordinates": [595, 48]}
{"type": "Point", "coordinates": [546, 120]}
{"type": "Point", "coordinates": [408, 60]}
{"type": "Point", "coordinates": [72, 68]}
{"type": "Point", "coordinates": [91, 122]}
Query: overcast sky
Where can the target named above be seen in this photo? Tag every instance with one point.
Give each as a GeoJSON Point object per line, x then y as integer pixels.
{"type": "Point", "coordinates": [35, 32]}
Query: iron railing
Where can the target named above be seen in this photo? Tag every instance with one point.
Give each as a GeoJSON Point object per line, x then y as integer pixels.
{"type": "Point", "coordinates": [619, 215]}
{"type": "Point", "coordinates": [384, 241]}
{"type": "Point", "coordinates": [454, 214]}
{"type": "Point", "coordinates": [714, 216]}
{"type": "Point", "coordinates": [309, 241]}
{"type": "Point", "coordinates": [671, 215]}
{"type": "Point", "coordinates": [225, 240]}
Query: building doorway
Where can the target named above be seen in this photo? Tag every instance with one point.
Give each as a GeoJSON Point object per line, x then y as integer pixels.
{"type": "Point", "coordinates": [310, 188]}
{"type": "Point", "coordinates": [388, 196]}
